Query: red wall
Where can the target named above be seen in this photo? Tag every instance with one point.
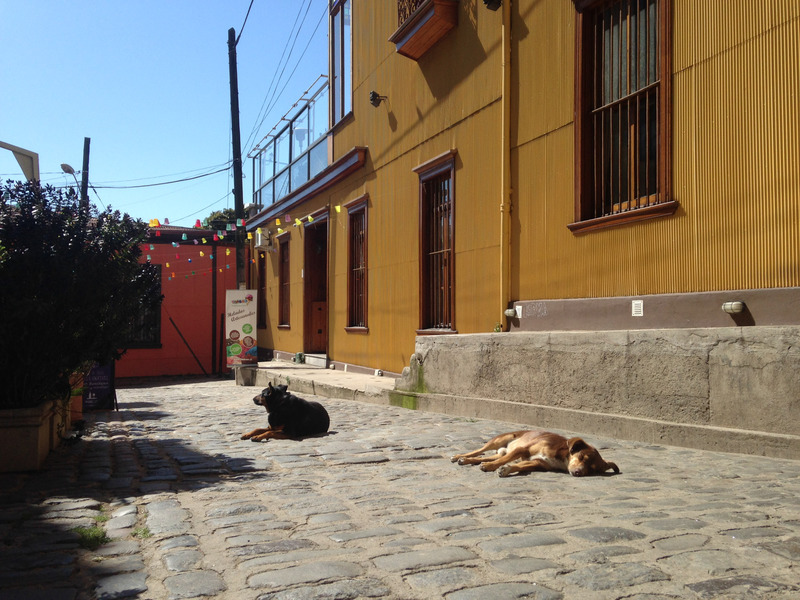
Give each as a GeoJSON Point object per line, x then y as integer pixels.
{"type": "Point", "coordinates": [187, 290]}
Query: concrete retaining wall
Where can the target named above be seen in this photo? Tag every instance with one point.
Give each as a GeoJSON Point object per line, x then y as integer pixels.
{"type": "Point", "coordinates": [733, 389]}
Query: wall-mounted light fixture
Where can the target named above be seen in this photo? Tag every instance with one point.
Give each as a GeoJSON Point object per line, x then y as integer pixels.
{"type": "Point", "coordinates": [733, 307]}
{"type": "Point", "coordinates": [375, 99]}
{"type": "Point", "coordinates": [493, 4]}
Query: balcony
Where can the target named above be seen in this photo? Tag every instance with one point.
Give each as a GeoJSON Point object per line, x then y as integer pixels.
{"type": "Point", "coordinates": [421, 24]}
{"type": "Point", "coordinates": [295, 151]}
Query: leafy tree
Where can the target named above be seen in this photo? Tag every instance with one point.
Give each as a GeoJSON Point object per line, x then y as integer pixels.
{"type": "Point", "coordinates": [219, 219]}
{"type": "Point", "coordinates": [70, 282]}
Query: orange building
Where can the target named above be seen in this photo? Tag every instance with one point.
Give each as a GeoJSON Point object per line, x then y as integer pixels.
{"type": "Point", "coordinates": [185, 337]}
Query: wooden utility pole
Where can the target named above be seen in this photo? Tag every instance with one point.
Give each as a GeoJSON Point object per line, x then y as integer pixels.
{"type": "Point", "coordinates": [238, 195]}
{"type": "Point", "coordinates": [85, 173]}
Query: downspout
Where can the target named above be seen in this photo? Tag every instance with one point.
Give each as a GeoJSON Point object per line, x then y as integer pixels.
{"type": "Point", "coordinates": [505, 178]}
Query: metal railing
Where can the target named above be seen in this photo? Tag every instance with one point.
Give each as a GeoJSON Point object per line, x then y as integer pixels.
{"type": "Point", "coordinates": [405, 8]}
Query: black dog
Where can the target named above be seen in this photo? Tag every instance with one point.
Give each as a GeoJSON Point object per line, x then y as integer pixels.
{"type": "Point", "coordinates": [289, 416]}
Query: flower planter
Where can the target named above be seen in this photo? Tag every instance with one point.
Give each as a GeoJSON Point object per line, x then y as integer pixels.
{"type": "Point", "coordinates": [27, 435]}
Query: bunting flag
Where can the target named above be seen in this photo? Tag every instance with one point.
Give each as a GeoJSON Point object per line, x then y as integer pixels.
{"type": "Point", "coordinates": [277, 222]}
{"type": "Point", "coordinates": [297, 222]}
{"type": "Point", "coordinates": [338, 208]}
{"type": "Point", "coordinates": [198, 224]}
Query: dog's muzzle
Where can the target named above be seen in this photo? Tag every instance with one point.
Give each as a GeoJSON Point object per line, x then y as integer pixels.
{"type": "Point", "coordinates": [258, 400]}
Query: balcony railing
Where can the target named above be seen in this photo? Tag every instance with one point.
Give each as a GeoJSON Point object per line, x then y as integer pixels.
{"type": "Point", "coordinates": [295, 151]}
{"type": "Point", "coordinates": [421, 24]}
{"type": "Point", "coordinates": [405, 8]}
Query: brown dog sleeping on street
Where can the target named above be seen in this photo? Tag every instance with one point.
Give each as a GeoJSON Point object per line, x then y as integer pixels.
{"type": "Point", "coordinates": [525, 451]}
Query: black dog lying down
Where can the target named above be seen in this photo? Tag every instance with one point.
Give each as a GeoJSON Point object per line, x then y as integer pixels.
{"type": "Point", "coordinates": [289, 416]}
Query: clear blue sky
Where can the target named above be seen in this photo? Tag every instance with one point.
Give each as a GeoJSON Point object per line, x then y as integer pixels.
{"type": "Point", "coordinates": [147, 81]}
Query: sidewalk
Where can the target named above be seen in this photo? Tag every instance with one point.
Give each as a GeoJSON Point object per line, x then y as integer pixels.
{"type": "Point", "coordinates": [375, 509]}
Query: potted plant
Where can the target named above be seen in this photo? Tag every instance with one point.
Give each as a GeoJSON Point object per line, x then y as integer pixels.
{"type": "Point", "coordinates": [70, 281]}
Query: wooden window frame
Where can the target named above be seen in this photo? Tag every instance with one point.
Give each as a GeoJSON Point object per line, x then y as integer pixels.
{"type": "Point", "coordinates": [359, 206]}
{"type": "Point", "coordinates": [661, 203]}
{"type": "Point", "coordinates": [444, 164]}
{"type": "Point", "coordinates": [341, 79]}
{"type": "Point", "coordinates": [284, 281]}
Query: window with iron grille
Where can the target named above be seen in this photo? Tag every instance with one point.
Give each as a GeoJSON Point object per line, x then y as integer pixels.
{"type": "Point", "coordinates": [437, 264]}
{"type": "Point", "coordinates": [283, 283]}
{"type": "Point", "coordinates": [145, 327]}
{"type": "Point", "coordinates": [357, 265]}
{"type": "Point", "coordinates": [623, 112]}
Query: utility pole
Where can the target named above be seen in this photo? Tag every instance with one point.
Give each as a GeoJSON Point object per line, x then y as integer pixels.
{"type": "Point", "coordinates": [85, 174]}
{"type": "Point", "coordinates": [238, 198]}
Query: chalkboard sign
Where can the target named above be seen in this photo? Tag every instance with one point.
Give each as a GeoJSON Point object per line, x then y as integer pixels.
{"type": "Point", "coordinates": [98, 388]}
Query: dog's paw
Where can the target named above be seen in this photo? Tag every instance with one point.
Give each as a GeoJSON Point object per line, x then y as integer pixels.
{"type": "Point", "coordinates": [245, 437]}
{"type": "Point", "coordinates": [504, 471]}
{"type": "Point", "coordinates": [455, 458]}
{"type": "Point", "coordinates": [487, 467]}
{"type": "Point", "coordinates": [255, 439]}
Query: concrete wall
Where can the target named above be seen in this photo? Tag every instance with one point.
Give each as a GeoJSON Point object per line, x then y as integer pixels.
{"type": "Point", "coordinates": [733, 389]}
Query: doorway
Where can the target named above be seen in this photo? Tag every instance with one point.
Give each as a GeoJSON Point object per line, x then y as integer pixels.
{"type": "Point", "coordinates": [315, 302]}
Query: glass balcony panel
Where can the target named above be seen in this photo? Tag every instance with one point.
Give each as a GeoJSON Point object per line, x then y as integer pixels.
{"type": "Point", "coordinates": [299, 171]}
{"type": "Point", "coordinates": [300, 132]}
{"type": "Point", "coordinates": [282, 150]}
{"type": "Point", "coordinates": [318, 115]}
{"type": "Point", "coordinates": [281, 185]}
{"type": "Point", "coordinates": [318, 158]}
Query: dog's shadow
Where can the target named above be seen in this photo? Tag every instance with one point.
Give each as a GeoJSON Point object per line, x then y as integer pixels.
{"type": "Point", "coordinates": [300, 439]}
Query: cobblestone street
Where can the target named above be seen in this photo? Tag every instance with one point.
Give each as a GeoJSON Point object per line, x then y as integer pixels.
{"type": "Point", "coordinates": [375, 509]}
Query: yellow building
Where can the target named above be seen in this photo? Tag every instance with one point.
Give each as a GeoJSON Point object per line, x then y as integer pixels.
{"type": "Point", "coordinates": [481, 165]}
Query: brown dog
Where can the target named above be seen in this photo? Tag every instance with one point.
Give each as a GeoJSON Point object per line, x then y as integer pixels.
{"type": "Point", "coordinates": [537, 451]}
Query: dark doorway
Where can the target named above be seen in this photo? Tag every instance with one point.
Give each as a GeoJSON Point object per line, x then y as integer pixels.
{"type": "Point", "coordinates": [315, 330]}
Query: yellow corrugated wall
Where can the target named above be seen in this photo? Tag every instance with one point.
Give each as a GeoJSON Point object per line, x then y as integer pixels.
{"type": "Point", "coordinates": [736, 151]}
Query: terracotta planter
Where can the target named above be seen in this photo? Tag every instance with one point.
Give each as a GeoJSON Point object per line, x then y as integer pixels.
{"type": "Point", "coordinates": [27, 435]}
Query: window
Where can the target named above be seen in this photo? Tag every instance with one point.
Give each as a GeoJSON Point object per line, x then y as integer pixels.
{"type": "Point", "coordinates": [145, 327]}
{"type": "Point", "coordinates": [437, 264]}
{"type": "Point", "coordinates": [622, 124]}
{"type": "Point", "coordinates": [357, 265]}
{"type": "Point", "coordinates": [341, 59]}
{"type": "Point", "coordinates": [283, 283]}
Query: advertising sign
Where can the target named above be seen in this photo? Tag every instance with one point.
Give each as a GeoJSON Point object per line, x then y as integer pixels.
{"type": "Point", "coordinates": [240, 328]}
{"type": "Point", "coordinates": [98, 388]}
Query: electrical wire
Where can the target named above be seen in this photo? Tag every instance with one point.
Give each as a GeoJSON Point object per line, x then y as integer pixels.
{"type": "Point", "coordinates": [144, 185]}
{"type": "Point", "coordinates": [269, 98]}
{"type": "Point", "coordinates": [236, 43]}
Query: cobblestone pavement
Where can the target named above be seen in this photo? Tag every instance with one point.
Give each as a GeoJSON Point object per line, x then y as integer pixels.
{"type": "Point", "coordinates": [375, 509]}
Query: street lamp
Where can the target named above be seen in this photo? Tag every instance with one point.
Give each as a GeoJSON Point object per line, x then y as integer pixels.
{"type": "Point", "coordinates": [70, 171]}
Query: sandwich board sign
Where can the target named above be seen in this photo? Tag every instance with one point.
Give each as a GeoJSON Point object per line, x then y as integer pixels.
{"type": "Point", "coordinates": [241, 346]}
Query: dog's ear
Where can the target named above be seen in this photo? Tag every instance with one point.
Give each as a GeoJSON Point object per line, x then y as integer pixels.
{"type": "Point", "coordinates": [576, 445]}
{"type": "Point", "coordinates": [269, 383]}
{"type": "Point", "coordinates": [610, 465]}
{"type": "Point", "coordinates": [282, 388]}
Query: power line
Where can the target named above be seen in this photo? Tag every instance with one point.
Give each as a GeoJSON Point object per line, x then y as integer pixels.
{"type": "Point", "coordinates": [266, 105]}
{"type": "Point", "coordinates": [144, 185]}
{"type": "Point", "coordinates": [243, 24]}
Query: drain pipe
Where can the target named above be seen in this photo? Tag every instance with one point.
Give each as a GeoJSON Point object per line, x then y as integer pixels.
{"type": "Point", "coordinates": [505, 201]}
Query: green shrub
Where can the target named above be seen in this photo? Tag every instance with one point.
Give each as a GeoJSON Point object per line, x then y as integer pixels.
{"type": "Point", "coordinates": [70, 283]}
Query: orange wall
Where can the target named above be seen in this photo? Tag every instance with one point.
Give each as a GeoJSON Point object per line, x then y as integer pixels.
{"type": "Point", "coordinates": [188, 300]}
